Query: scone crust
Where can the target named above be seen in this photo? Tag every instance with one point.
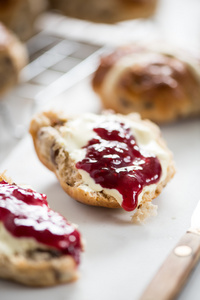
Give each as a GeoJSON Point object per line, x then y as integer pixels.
{"type": "Point", "coordinates": [14, 54]}
{"type": "Point", "coordinates": [38, 273]}
{"type": "Point", "coordinates": [162, 90]}
{"type": "Point", "coordinates": [65, 170]}
{"type": "Point", "coordinates": [37, 268]}
{"type": "Point", "coordinates": [19, 15]}
{"type": "Point", "coordinates": [109, 11]}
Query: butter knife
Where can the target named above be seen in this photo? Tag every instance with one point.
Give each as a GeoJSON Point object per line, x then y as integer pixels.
{"type": "Point", "coordinates": [175, 270]}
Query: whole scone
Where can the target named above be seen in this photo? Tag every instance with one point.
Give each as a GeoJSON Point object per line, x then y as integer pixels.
{"type": "Point", "coordinates": [160, 82]}
{"type": "Point", "coordinates": [105, 11]}
{"type": "Point", "coordinates": [38, 247]}
{"type": "Point", "coordinates": [107, 160]}
{"type": "Point", "coordinates": [13, 57]}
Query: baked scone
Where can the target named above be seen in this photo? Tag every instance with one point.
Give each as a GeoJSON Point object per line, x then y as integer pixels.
{"type": "Point", "coordinates": [105, 160]}
{"type": "Point", "coordinates": [38, 247]}
{"type": "Point", "coordinates": [160, 82]}
{"type": "Point", "coordinates": [19, 15]}
{"type": "Point", "coordinates": [13, 57]}
{"type": "Point", "coordinates": [105, 11]}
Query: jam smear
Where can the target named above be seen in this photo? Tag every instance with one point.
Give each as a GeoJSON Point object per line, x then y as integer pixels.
{"type": "Point", "coordinates": [114, 160]}
{"type": "Point", "coordinates": [25, 213]}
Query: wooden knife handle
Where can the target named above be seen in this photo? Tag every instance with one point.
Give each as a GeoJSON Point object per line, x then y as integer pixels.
{"type": "Point", "coordinates": [172, 275]}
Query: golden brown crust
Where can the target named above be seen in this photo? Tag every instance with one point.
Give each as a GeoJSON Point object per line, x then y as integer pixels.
{"type": "Point", "coordinates": [40, 272]}
{"type": "Point", "coordinates": [38, 267]}
{"type": "Point", "coordinates": [3, 176]}
{"type": "Point", "coordinates": [13, 57]}
{"type": "Point", "coordinates": [7, 7]}
{"type": "Point", "coordinates": [109, 11]}
{"type": "Point", "coordinates": [163, 88]}
{"type": "Point", "coordinates": [19, 15]}
{"type": "Point", "coordinates": [54, 156]}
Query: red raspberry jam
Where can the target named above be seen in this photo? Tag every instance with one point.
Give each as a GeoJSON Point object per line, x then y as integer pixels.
{"type": "Point", "coordinates": [115, 161]}
{"type": "Point", "coordinates": [26, 213]}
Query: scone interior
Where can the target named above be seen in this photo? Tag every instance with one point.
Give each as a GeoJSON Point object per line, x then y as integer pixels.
{"type": "Point", "coordinates": [160, 82]}
{"type": "Point", "coordinates": [108, 160]}
{"type": "Point", "coordinates": [38, 247]}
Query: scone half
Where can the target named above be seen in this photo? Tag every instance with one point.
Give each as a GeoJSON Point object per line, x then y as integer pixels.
{"type": "Point", "coordinates": [61, 144]}
{"type": "Point", "coordinates": [38, 247]}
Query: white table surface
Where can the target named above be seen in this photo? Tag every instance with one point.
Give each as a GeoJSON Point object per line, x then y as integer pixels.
{"type": "Point", "coordinates": [121, 258]}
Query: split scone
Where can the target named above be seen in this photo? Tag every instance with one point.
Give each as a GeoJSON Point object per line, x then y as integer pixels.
{"type": "Point", "coordinates": [38, 247]}
{"type": "Point", "coordinates": [106, 11]}
{"type": "Point", "coordinates": [158, 81]}
{"type": "Point", "coordinates": [107, 160]}
{"type": "Point", "coordinates": [13, 57]}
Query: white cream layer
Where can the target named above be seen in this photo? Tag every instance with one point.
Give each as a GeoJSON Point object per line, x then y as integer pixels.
{"type": "Point", "coordinates": [79, 132]}
{"type": "Point", "coordinates": [10, 245]}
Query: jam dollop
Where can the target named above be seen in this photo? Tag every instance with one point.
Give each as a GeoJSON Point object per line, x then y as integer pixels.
{"type": "Point", "coordinates": [25, 213]}
{"type": "Point", "coordinates": [115, 161]}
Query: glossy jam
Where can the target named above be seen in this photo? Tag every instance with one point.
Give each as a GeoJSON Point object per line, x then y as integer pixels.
{"type": "Point", "coordinates": [114, 160]}
{"type": "Point", "coordinates": [26, 213]}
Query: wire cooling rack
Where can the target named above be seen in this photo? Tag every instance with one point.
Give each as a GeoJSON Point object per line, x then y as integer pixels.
{"type": "Point", "coordinates": [55, 64]}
